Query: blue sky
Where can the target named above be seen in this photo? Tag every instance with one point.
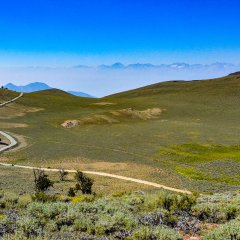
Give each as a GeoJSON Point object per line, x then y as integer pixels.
{"type": "Point", "coordinates": [94, 31]}
{"type": "Point", "coordinates": [41, 40]}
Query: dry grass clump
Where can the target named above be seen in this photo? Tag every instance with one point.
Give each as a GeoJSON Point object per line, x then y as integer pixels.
{"type": "Point", "coordinates": [16, 110]}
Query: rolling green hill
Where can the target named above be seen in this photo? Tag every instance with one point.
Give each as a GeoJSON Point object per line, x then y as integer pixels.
{"type": "Point", "coordinates": [193, 143]}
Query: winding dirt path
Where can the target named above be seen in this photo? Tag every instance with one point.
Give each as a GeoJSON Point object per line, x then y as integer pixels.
{"type": "Point", "coordinates": [103, 174]}
{"type": "Point", "coordinates": [10, 101]}
{"type": "Point", "coordinates": [14, 143]}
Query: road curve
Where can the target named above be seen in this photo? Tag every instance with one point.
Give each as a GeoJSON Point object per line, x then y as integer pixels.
{"type": "Point", "coordinates": [14, 143]}
{"type": "Point", "coordinates": [12, 100]}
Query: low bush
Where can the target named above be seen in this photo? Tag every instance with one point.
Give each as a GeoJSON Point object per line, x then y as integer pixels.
{"type": "Point", "coordinates": [83, 198]}
{"type": "Point", "coordinates": [169, 201]}
{"type": "Point", "coordinates": [41, 180]}
{"type": "Point", "coordinates": [71, 192]}
{"type": "Point", "coordinates": [158, 233]}
{"type": "Point", "coordinates": [43, 197]}
{"type": "Point", "coordinates": [8, 200]}
{"type": "Point", "coordinates": [29, 227]}
{"type": "Point", "coordinates": [228, 231]}
{"type": "Point", "coordinates": [216, 212]}
{"type": "Point", "coordinates": [8, 223]}
{"type": "Point", "coordinates": [84, 183]}
{"type": "Point", "coordinates": [187, 223]}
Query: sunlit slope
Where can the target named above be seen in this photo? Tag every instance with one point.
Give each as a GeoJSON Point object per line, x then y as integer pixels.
{"type": "Point", "coordinates": [182, 147]}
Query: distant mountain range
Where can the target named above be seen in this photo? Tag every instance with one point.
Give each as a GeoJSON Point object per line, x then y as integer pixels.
{"type": "Point", "coordinates": [178, 65]}
{"type": "Point", "coordinates": [32, 87]}
{"type": "Point", "coordinates": [39, 86]}
{"type": "Point", "coordinates": [103, 80]}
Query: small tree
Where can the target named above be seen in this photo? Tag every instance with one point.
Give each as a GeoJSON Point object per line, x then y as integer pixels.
{"type": "Point", "coordinates": [84, 183]}
{"type": "Point", "coordinates": [41, 180]}
{"type": "Point", "coordinates": [62, 174]}
{"type": "Point", "coordinates": [71, 192]}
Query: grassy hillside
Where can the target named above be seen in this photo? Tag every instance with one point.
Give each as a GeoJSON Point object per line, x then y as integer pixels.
{"type": "Point", "coordinates": [193, 143]}
{"type": "Point", "coordinates": [6, 95]}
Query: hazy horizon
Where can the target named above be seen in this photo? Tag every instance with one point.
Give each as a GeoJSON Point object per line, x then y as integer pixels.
{"type": "Point", "coordinates": [104, 80]}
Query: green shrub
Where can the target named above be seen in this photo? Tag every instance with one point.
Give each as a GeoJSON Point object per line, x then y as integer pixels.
{"type": "Point", "coordinates": [29, 227]}
{"type": "Point", "coordinates": [83, 224]}
{"type": "Point", "coordinates": [71, 192]}
{"type": "Point", "coordinates": [83, 198]}
{"type": "Point", "coordinates": [43, 197]}
{"type": "Point", "coordinates": [84, 183]}
{"type": "Point", "coordinates": [21, 236]}
{"type": "Point", "coordinates": [2, 204]}
{"type": "Point", "coordinates": [169, 201]}
{"type": "Point", "coordinates": [1, 195]}
{"type": "Point", "coordinates": [41, 180]}
{"type": "Point", "coordinates": [47, 211]}
{"type": "Point", "coordinates": [186, 201]}
{"type": "Point", "coordinates": [119, 194]}
{"type": "Point", "coordinates": [108, 224]}
{"type": "Point", "coordinates": [9, 200]}
{"type": "Point", "coordinates": [228, 231]}
{"type": "Point", "coordinates": [23, 201]}
{"type": "Point", "coordinates": [159, 233]}
{"type": "Point", "coordinates": [216, 213]}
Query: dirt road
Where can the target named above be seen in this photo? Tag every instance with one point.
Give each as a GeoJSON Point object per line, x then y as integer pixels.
{"type": "Point", "coordinates": [10, 101]}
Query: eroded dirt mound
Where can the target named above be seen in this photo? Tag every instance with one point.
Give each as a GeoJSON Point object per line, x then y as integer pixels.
{"type": "Point", "coordinates": [150, 113]}
{"type": "Point", "coordinates": [70, 123]}
{"type": "Point", "coordinates": [118, 116]}
{"type": "Point", "coordinates": [104, 104]}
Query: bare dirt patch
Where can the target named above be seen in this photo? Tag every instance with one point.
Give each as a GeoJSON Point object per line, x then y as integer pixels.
{"type": "Point", "coordinates": [15, 110]}
{"type": "Point", "coordinates": [104, 104]}
{"type": "Point", "coordinates": [7, 125]}
{"type": "Point", "coordinates": [86, 164]}
{"type": "Point", "coordinates": [118, 116]}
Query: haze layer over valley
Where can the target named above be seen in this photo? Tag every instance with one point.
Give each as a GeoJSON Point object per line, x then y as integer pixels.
{"type": "Point", "coordinates": [108, 79]}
